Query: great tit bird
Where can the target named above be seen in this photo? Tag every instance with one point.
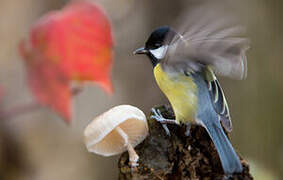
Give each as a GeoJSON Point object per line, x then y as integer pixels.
{"type": "Point", "coordinates": [184, 66]}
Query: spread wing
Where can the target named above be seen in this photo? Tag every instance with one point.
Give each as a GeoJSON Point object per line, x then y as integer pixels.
{"type": "Point", "coordinates": [218, 99]}
{"type": "Point", "coordinates": [209, 36]}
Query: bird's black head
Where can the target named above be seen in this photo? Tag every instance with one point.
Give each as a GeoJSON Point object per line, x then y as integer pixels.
{"type": "Point", "coordinates": [157, 44]}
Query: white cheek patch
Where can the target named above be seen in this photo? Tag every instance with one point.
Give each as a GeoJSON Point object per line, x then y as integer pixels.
{"type": "Point", "coordinates": [159, 53]}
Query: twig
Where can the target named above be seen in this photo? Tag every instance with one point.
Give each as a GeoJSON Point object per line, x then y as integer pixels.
{"type": "Point", "coordinates": [19, 110]}
{"type": "Point", "coordinates": [29, 107]}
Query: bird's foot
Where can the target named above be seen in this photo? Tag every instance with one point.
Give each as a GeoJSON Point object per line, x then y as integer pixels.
{"type": "Point", "coordinates": [227, 176]}
{"type": "Point", "coordinates": [158, 117]}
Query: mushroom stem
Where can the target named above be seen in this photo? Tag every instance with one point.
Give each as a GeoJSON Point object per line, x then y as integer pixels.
{"type": "Point", "coordinates": [133, 156]}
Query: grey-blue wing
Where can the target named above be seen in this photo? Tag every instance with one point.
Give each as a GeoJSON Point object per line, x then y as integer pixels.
{"type": "Point", "coordinates": [219, 103]}
{"type": "Point", "coordinates": [211, 103]}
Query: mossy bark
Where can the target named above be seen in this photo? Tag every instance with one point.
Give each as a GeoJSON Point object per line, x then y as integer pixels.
{"type": "Point", "coordinates": [176, 157]}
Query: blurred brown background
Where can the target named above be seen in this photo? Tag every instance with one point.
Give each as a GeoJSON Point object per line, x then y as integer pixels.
{"type": "Point", "coordinates": [40, 146]}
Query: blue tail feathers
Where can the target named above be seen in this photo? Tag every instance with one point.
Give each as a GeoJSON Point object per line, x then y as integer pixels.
{"type": "Point", "coordinates": [228, 157]}
{"type": "Point", "coordinates": [208, 118]}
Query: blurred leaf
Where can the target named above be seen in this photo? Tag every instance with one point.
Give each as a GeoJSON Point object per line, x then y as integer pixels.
{"type": "Point", "coordinates": [73, 44]}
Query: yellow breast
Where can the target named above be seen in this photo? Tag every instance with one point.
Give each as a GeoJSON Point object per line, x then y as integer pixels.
{"type": "Point", "coordinates": [180, 91]}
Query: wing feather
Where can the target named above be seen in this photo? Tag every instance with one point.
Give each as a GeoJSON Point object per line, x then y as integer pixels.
{"type": "Point", "coordinates": [209, 36]}
{"type": "Point", "coordinates": [218, 99]}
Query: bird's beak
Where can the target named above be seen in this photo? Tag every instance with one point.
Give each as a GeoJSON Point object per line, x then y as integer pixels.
{"type": "Point", "coordinates": [141, 50]}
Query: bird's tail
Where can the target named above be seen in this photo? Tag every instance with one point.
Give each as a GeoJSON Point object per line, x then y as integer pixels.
{"type": "Point", "coordinates": [228, 157]}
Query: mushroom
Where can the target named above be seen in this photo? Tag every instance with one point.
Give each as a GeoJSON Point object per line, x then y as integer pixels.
{"type": "Point", "coordinates": [117, 130]}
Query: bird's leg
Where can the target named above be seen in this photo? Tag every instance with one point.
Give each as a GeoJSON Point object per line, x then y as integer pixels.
{"type": "Point", "coordinates": [227, 176]}
{"type": "Point", "coordinates": [167, 131]}
{"type": "Point", "coordinates": [158, 117]}
{"type": "Point", "coordinates": [188, 129]}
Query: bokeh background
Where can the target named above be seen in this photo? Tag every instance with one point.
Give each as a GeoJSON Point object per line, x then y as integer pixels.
{"type": "Point", "coordinates": [38, 145]}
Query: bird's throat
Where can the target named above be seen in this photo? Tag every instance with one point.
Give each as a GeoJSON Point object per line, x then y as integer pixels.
{"type": "Point", "coordinates": [153, 60]}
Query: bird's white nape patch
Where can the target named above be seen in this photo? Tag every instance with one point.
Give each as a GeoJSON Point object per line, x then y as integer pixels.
{"type": "Point", "coordinates": [159, 53]}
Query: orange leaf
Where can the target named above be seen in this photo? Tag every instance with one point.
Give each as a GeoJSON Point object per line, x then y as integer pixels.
{"type": "Point", "coordinates": [74, 43]}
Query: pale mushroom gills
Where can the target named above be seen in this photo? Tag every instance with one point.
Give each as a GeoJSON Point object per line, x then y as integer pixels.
{"type": "Point", "coordinates": [117, 130]}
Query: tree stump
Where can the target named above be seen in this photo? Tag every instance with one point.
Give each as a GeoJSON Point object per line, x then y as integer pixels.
{"type": "Point", "coordinates": [176, 157]}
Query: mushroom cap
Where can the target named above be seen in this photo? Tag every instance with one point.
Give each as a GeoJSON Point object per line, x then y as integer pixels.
{"type": "Point", "coordinates": [103, 135]}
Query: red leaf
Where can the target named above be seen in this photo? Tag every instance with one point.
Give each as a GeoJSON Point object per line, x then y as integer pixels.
{"type": "Point", "coordinates": [74, 43]}
{"type": "Point", "coordinates": [56, 92]}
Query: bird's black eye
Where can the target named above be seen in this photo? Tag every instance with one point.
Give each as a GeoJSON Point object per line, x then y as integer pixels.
{"type": "Point", "coordinates": [153, 46]}
{"type": "Point", "coordinates": [157, 45]}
